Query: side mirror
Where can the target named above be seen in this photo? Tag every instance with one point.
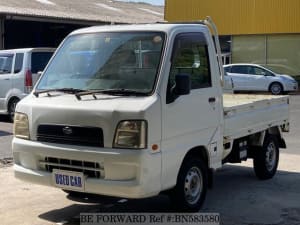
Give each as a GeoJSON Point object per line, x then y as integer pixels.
{"type": "Point", "coordinates": [183, 84]}
{"type": "Point", "coordinates": [40, 73]}
{"type": "Point", "coordinates": [182, 87]}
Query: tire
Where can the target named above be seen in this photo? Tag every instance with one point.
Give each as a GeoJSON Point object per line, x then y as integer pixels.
{"type": "Point", "coordinates": [12, 108]}
{"type": "Point", "coordinates": [190, 191]}
{"type": "Point", "coordinates": [276, 88]}
{"type": "Point", "coordinates": [265, 160]}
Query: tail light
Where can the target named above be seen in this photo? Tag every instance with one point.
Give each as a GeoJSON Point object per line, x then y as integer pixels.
{"type": "Point", "coordinates": [28, 81]}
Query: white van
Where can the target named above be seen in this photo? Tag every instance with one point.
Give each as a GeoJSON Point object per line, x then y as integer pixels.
{"type": "Point", "coordinates": [18, 73]}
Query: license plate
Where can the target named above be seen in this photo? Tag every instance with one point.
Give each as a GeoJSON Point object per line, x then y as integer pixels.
{"type": "Point", "coordinates": [68, 180]}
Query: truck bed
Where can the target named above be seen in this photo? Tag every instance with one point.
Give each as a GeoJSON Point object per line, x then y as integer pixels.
{"type": "Point", "coordinates": [246, 114]}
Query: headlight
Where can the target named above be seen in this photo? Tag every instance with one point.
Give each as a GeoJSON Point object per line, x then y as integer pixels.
{"type": "Point", "coordinates": [21, 126]}
{"type": "Point", "coordinates": [131, 134]}
{"type": "Point", "coordinates": [289, 79]}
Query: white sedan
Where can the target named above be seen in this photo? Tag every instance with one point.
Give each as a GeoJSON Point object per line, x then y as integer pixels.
{"type": "Point", "coordinates": [252, 77]}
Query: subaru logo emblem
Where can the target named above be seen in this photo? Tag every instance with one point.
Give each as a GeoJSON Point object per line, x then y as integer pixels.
{"type": "Point", "coordinates": [67, 130]}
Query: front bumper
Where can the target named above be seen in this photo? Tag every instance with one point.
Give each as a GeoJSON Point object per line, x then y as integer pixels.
{"type": "Point", "coordinates": [127, 173]}
{"type": "Point", "coordinates": [291, 87]}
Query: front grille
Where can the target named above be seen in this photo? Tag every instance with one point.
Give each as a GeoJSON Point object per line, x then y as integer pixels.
{"type": "Point", "coordinates": [90, 169]}
{"type": "Point", "coordinates": [72, 135]}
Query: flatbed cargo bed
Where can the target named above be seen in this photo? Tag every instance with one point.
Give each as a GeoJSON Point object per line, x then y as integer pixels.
{"type": "Point", "coordinates": [246, 114]}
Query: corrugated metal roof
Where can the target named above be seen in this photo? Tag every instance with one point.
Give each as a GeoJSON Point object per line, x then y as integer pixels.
{"type": "Point", "coordinates": [85, 10]}
{"type": "Point", "coordinates": [240, 16]}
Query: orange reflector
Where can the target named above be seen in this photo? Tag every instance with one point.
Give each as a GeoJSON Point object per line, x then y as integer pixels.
{"type": "Point", "coordinates": [154, 147]}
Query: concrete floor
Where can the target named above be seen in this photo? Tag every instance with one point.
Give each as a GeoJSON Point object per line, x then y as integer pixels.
{"type": "Point", "coordinates": [237, 195]}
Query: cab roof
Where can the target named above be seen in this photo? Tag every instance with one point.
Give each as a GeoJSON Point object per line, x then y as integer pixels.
{"type": "Point", "coordinates": [159, 27]}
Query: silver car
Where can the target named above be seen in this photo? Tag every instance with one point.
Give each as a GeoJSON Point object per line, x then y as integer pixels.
{"type": "Point", "coordinates": [18, 73]}
{"type": "Point", "coordinates": [252, 77]}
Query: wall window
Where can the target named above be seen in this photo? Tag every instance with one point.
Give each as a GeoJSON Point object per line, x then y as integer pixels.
{"type": "Point", "coordinates": [283, 53]}
{"type": "Point", "coordinates": [225, 43]}
{"type": "Point", "coordinates": [278, 52]}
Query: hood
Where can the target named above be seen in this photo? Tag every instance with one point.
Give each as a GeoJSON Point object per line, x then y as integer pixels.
{"type": "Point", "coordinates": [64, 109]}
{"type": "Point", "coordinates": [286, 77]}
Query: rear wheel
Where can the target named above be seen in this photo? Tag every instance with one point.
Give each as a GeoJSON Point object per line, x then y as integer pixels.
{"type": "Point", "coordinates": [276, 88]}
{"type": "Point", "coordinates": [190, 190]}
{"type": "Point", "coordinates": [266, 159]}
{"type": "Point", "coordinates": [12, 108]}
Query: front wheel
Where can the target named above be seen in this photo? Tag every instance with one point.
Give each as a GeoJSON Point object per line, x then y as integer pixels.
{"type": "Point", "coordinates": [266, 158]}
{"type": "Point", "coordinates": [276, 88]}
{"type": "Point", "coordinates": [190, 190]}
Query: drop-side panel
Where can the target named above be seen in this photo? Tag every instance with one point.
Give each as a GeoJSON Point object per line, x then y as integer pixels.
{"type": "Point", "coordinates": [248, 114]}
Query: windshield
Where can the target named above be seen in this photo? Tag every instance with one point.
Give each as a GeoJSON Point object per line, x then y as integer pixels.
{"type": "Point", "coordinates": [120, 60]}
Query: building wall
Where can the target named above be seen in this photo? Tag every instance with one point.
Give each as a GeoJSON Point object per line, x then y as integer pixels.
{"type": "Point", "coordinates": [279, 52]}
{"type": "Point", "coordinates": [236, 17]}
{"type": "Point", "coordinates": [262, 31]}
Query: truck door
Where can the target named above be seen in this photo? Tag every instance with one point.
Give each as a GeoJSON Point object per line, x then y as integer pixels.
{"type": "Point", "coordinates": [194, 119]}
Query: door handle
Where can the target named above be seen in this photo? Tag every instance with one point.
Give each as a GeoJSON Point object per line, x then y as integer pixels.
{"type": "Point", "coordinates": [7, 79]}
{"type": "Point", "coordinates": [212, 100]}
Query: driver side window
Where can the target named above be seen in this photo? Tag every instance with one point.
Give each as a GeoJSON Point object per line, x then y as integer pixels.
{"type": "Point", "coordinates": [190, 56]}
{"type": "Point", "coordinates": [259, 71]}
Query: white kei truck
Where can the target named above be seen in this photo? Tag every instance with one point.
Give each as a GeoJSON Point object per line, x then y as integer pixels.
{"type": "Point", "coordinates": [136, 110]}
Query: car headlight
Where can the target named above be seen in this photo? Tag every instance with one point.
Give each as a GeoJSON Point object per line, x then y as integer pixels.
{"type": "Point", "coordinates": [292, 81]}
{"type": "Point", "coordinates": [131, 134]}
{"type": "Point", "coordinates": [289, 79]}
{"type": "Point", "coordinates": [21, 126]}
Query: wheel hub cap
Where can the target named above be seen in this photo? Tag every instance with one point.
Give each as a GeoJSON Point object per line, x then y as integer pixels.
{"type": "Point", "coordinates": [193, 185]}
{"type": "Point", "coordinates": [276, 89]}
{"type": "Point", "coordinates": [271, 156]}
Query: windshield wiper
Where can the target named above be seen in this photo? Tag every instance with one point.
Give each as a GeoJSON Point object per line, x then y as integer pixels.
{"type": "Point", "coordinates": [65, 90]}
{"type": "Point", "coordinates": [120, 92]}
